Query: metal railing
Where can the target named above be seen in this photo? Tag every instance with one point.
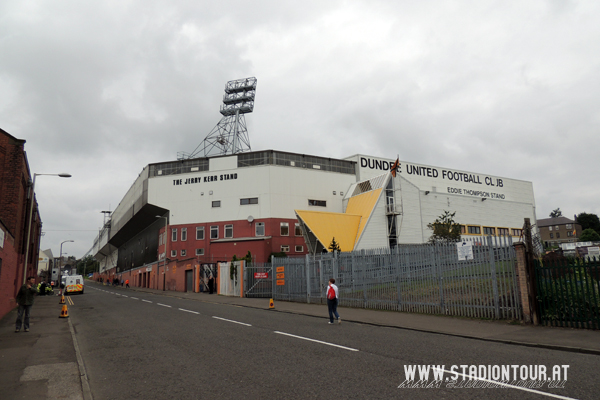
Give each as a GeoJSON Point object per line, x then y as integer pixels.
{"type": "Point", "coordinates": [428, 278]}
{"type": "Point", "coordinates": [568, 292]}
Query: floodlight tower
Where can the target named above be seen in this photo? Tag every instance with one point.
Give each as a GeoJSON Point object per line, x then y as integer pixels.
{"type": "Point", "coordinates": [230, 136]}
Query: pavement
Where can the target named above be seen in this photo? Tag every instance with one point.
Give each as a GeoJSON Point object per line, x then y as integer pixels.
{"type": "Point", "coordinates": [45, 363]}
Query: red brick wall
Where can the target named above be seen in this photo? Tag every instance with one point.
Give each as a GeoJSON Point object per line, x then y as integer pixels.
{"type": "Point", "coordinates": [9, 274]}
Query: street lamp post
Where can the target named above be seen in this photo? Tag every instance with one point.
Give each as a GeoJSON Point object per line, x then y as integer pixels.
{"type": "Point", "coordinates": [166, 249]}
{"type": "Point", "coordinates": [31, 201]}
{"type": "Point", "coordinates": [60, 267]}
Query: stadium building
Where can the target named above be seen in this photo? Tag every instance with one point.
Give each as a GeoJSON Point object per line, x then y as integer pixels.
{"type": "Point", "coordinates": [181, 214]}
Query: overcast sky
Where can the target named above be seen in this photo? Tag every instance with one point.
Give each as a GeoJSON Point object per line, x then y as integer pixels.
{"type": "Point", "coordinates": [99, 89]}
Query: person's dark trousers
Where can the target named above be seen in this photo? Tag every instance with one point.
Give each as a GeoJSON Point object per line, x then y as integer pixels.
{"type": "Point", "coordinates": [20, 321]}
{"type": "Point", "coordinates": [332, 307]}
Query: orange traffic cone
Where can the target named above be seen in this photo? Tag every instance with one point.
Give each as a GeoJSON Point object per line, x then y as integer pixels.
{"type": "Point", "coordinates": [64, 313]}
{"type": "Point", "coordinates": [62, 299]}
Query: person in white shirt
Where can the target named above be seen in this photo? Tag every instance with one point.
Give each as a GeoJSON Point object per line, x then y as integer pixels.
{"type": "Point", "coordinates": [332, 301]}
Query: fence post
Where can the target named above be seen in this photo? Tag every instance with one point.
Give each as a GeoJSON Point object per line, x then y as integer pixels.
{"type": "Point", "coordinates": [494, 278]}
{"type": "Point", "coordinates": [535, 310]}
{"type": "Point", "coordinates": [273, 282]}
{"type": "Point", "coordinates": [523, 285]}
{"type": "Point", "coordinates": [307, 265]}
{"type": "Point", "coordinates": [438, 265]}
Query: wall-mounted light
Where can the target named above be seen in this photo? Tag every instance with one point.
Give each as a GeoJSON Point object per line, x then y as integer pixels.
{"type": "Point", "coordinates": [484, 199]}
{"type": "Point", "coordinates": [426, 192]}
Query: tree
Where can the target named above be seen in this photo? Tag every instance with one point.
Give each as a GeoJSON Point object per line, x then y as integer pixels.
{"type": "Point", "coordinates": [556, 213]}
{"type": "Point", "coordinates": [445, 229]}
{"type": "Point", "coordinates": [589, 235]}
{"type": "Point", "coordinates": [588, 221]}
{"type": "Point", "coordinates": [334, 246]}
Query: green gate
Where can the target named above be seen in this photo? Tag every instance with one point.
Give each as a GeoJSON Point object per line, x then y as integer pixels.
{"type": "Point", "coordinates": [568, 292]}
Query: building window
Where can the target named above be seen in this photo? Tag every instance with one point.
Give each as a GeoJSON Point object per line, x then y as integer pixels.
{"type": "Point", "coordinates": [173, 235]}
{"type": "Point", "coordinates": [569, 226]}
{"type": "Point", "coordinates": [299, 249]}
{"type": "Point", "coordinates": [552, 236]}
{"type": "Point", "coordinates": [284, 229]}
{"type": "Point", "coordinates": [474, 230]}
{"type": "Point", "coordinates": [285, 248]}
{"type": "Point", "coordinates": [216, 203]}
{"type": "Point", "coordinates": [183, 234]}
{"type": "Point", "coordinates": [251, 200]}
{"type": "Point", "coordinates": [214, 232]}
{"type": "Point", "coordinates": [517, 232]}
{"type": "Point", "coordinates": [569, 234]}
{"type": "Point", "coordinates": [550, 228]}
{"type": "Point", "coordinates": [183, 253]}
{"type": "Point", "coordinates": [228, 231]}
{"type": "Point", "coordinates": [259, 229]}
{"type": "Point", "coordinates": [173, 253]}
{"type": "Point", "coordinates": [199, 252]}
{"type": "Point", "coordinates": [489, 231]}
{"type": "Point", "coordinates": [298, 229]}
{"type": "Point", "coordinates": [463, 229]}
{"type": "Point", "coordinates": [317, 203]}
{"type": "Point", "coordinates": [558, 235]}
{"type": "Point", "coordinates": [199, 233]}
{"type": "Point", "coordinates": [503, 232]}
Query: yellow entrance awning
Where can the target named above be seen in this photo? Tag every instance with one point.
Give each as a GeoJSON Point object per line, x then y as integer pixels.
{"type": "Point", "coordinates": [327, 225]}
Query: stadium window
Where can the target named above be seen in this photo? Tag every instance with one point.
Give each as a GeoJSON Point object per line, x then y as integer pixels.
{"type": "Point", "coordinates": [317, 203]}
{"type": "Point", "coordinates": [199, 252]}
{"type": "Point", "coordinates": [517, 232]}
{"type": "Point", "coordinates": [251, 200]}
{"type": "Point", "coordinates": [259, 229]}
{"type": "Point", "coordinates": [299, 249]}
{"type": "Point", "coordinates": [228, 231]}
{"type": "Point", "coordinates": [214, 232]}
{"type": "Point", "coordinates": [285, 248]}
{"type": "Point", "coordinates": [298, 229]}
{"type": "Point", "coordinates": [199, 233]}
{"type": "Point", "coordinates": [173, 253]}
{"type": "Point", "coordinates": [489, 231]}
{"type": "Point", "coordinates": [173, 235]}
{"type": "Point", "coordinates": [284, 229]}
{"type": "Point", "coordinates": [463, 229]}
{"type": "Point", "coordinates": [474, 230]}
{"type": "Point", "coordinates": [216, 204]}
{"type": "Point", "coordinates": [183, 253]}
{"type": "Point", "coordinates": [183, 234]}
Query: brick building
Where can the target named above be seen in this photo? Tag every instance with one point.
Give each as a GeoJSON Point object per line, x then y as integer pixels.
{"type": "Point", "coordinates": [555, 231]}
{"type": "Point", "coordinates": [15, 180]}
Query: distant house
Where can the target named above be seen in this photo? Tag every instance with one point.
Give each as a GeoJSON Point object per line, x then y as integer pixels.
{"type": "Point", "coordinates": [555, 231]}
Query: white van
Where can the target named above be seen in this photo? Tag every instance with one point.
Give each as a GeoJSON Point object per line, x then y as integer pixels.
{"type": "Point", "coordinates": [73, 284]}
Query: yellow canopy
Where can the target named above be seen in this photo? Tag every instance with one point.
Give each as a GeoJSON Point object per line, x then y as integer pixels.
{"type": "Point", "coordinates": [327, 225]}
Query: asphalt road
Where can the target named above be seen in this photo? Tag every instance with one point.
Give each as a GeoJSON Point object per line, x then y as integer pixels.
{"type": "Point", "coordinates": [143, 346]}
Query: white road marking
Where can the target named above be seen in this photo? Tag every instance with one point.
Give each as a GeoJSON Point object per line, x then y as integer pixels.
{"type": "Point", "coordinates": [193, 312]}
{"type": "Point", "coordinates": [510, 386]}
{"type": "Point", "coordinates": [147, 301]}
{"type": "Point", "coordinates": [135, 298]}
{"type": "Point", "coordinates": [164, 305]}
{"type": "Point", "coordinates": [317, 341]}
{"type": "Point", "coordinates": [124, 295]}
{"type": "Point", "coordinates": [229, 320]}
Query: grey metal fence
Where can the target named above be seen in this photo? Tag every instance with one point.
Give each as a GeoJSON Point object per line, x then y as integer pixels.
{"type": "Point", "coordinates": [428, 278]}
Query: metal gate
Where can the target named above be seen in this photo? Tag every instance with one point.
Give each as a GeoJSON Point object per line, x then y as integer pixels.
{"type": "Point", "coordinates": [258, 280]}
